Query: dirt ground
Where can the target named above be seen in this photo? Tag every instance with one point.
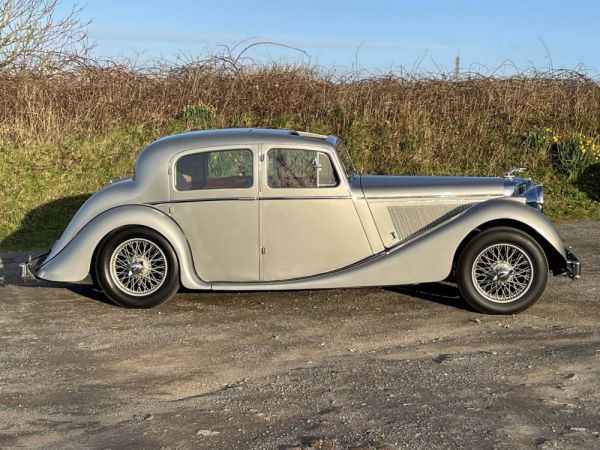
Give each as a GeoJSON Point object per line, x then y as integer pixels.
{"type": "Point", "coordinates": [372, 368]}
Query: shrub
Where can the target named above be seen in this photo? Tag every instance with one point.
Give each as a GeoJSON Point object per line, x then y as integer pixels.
{"type": "Point", "coordinates": [575, 154]}
{"type": "Point", "coordinates": [197, 112]}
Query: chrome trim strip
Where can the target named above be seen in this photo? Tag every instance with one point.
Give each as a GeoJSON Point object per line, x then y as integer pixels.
{"type": "Point", "coordinates": [225, 199]}
{"type": "Point", "coordinates": [309, 197]}
{"type": "Point", "coordinates": [437, 197]}
{"type": "Point", "coordinates": [211, 199]}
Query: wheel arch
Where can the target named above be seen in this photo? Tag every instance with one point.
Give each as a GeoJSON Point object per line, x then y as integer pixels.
{"type": "Point", "coordinates": [120, 229]}
{"type": "Point", "coordinates": [556, 260]}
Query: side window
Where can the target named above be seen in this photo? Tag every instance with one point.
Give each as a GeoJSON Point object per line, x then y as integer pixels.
{"type": "Point", "coordinates": [294, 168]}
{"type": "Point", "coordinates": [222, 169]}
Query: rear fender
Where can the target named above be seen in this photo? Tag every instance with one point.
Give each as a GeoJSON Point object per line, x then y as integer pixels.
{"type": "Point", "coordinates": [74, 261]}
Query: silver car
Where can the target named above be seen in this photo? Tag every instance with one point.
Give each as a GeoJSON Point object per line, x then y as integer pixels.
{"type": "Point", "coordinates": [252, 209]}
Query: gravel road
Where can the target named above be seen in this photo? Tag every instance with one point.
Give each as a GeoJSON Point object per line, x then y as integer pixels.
{"type": "Point", "coordinates": [404, 368]}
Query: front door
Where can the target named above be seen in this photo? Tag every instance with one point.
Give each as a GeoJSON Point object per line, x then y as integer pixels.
{"type": "Point", "coordinates": [214, 200]}
{"type": "Point", "coordinates": [308, 219]}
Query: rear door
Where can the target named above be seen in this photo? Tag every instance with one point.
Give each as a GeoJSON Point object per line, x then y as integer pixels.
{"type": "Point", "coordinates": [214, 199]}
{"type": "Point", "coordinates": [309, 224]}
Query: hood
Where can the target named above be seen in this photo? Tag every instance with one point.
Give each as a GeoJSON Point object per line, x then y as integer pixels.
{"type": "Point", "coordinates": [389, 186]}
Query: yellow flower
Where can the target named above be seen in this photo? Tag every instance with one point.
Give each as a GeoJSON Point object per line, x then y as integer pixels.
{"type": "Point", "coordinates": [555, 138]}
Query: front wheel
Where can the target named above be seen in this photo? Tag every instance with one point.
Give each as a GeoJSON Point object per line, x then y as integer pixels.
{"type": "Point", "coordinates": [137, 268]}
{"type": "Point", "coordinates": [502, 271]}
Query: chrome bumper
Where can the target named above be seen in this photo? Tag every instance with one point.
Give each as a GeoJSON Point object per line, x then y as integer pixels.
{"type": "Point", "coordinates": [29, 269]}
{"type": "Point", "coordinates": [573, 265]}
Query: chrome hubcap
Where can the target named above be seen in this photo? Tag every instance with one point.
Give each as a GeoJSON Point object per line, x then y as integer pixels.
{"type": "Point", "coordinates": [138, 267]}
{"type": "Point", "coordinates": [502, 273]}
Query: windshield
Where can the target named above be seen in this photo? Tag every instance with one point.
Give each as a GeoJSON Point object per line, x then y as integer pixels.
{"type": "Point", "coordinates": [344, 155]}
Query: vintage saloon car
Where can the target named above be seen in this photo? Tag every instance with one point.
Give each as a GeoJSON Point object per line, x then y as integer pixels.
{"type": "Point", "coordinates": [252, 209]}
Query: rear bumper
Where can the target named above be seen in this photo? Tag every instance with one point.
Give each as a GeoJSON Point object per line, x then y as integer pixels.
{"type": "Point", "coordinates": [30, 268]}
{"type": "Point", "coordinates": [573, 265]}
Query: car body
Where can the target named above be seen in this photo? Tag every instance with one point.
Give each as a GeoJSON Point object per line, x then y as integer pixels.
{"type": "Point", "coordinates": [254, 209]}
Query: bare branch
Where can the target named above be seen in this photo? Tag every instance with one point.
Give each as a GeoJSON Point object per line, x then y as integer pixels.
{"type": "Point", "coordinates": [33, 37]}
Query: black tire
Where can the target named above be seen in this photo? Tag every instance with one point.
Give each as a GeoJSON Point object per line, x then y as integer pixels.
{"type": "Point", "coordinates": [111, 281]}
{"type": "Point", "coordinates": [491, 294]}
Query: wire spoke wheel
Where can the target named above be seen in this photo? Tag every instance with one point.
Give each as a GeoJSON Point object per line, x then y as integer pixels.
{"type": "Point", "coordinates": [502, 273]}
{"type": "Point", "coordinates": [138, 267]}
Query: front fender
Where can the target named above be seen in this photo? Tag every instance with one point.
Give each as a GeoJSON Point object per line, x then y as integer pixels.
{"type": "Point", "coordinates": [512, 209]}
{"type": "Point", "coordinates": [73, 262]}
{"type": "Point", "coordinates": [425, 259]}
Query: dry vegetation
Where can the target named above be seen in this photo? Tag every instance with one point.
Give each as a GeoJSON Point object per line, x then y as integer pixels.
{"type": "Point", "coordinates": [66, 133]}
{"type": "Point", "coordinates": [474, 125]}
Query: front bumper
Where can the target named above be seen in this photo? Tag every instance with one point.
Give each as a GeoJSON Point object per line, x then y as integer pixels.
{"type": "Point", "coordinates": [573, 265]}
{"type": "Point", "coordinates": [30, 268]}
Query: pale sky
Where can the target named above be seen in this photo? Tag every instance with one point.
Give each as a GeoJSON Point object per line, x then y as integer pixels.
{"type": "Point", "coordinates": [375, 34]}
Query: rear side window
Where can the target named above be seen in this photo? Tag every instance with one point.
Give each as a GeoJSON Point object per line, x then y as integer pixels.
{"type": "Point", "coordinates": [295, 168]}
{"type": "Point", "coordinates": [222, 169]}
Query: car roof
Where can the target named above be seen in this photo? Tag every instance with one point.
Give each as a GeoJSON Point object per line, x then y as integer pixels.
{"type": "Point", "coordinates": [236, 136]}
{"type": "Point", "coordinates": [160, 152]}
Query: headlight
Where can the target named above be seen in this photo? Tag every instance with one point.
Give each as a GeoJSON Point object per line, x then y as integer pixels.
{"type": "Point", "coordinates": [540, 197]}
{"type": "Point", "coordinates": [535, 197]}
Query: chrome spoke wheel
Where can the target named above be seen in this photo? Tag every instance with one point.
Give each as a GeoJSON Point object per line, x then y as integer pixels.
{"type": "Point", "coordinates": [502, 273]}
{"type": "Point", "coordinates": [138, 267]}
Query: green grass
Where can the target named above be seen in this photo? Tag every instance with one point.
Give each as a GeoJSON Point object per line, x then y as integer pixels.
{"type": "Point", "coordinates": [43, 183]}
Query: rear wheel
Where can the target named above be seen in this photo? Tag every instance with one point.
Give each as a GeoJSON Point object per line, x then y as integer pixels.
{"type": "Point", "coordinates": [502, 271]}
{"type": "Point", "coordinates": [137, 268]}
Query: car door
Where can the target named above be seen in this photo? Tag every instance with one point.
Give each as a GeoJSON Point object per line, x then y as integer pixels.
{"type": "Point", "coordinates": [214, 199]}
{"type": "Point", "coordinates": [309, 224]}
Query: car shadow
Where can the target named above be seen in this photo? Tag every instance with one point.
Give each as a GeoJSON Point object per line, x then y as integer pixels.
{"type": "Point", "coordinates": [39, 228]}
{"type": "Point", "coordinates": [439, 293]}
{"type": "Point", "coordinates": [10, 276]}
{"type": "Point", "coordinates": [44, 224]}
{"type": "Point", "coordinates": [443, 293]}
{"type": "Point", "coordinates": [91, 293]}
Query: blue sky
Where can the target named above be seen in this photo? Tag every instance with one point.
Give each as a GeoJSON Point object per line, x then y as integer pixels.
{"type": "Point", "coordinates": [378, 35]}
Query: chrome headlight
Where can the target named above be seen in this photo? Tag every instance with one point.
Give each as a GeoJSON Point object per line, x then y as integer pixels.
{"type": "Point", "coordinates": [535, 197]}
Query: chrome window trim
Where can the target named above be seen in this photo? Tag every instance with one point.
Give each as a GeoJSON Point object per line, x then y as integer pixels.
{"type": "Point", "coordinates": [343, 187]}
{"type": "Point", "coordinates": [333, 168]}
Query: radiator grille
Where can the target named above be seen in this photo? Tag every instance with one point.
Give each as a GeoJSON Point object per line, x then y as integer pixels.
{"type": "Point", "coordinates": [410, 220]}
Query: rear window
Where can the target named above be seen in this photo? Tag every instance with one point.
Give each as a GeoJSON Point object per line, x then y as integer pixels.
{"type": "Point", "coordinates": [222, 169]}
